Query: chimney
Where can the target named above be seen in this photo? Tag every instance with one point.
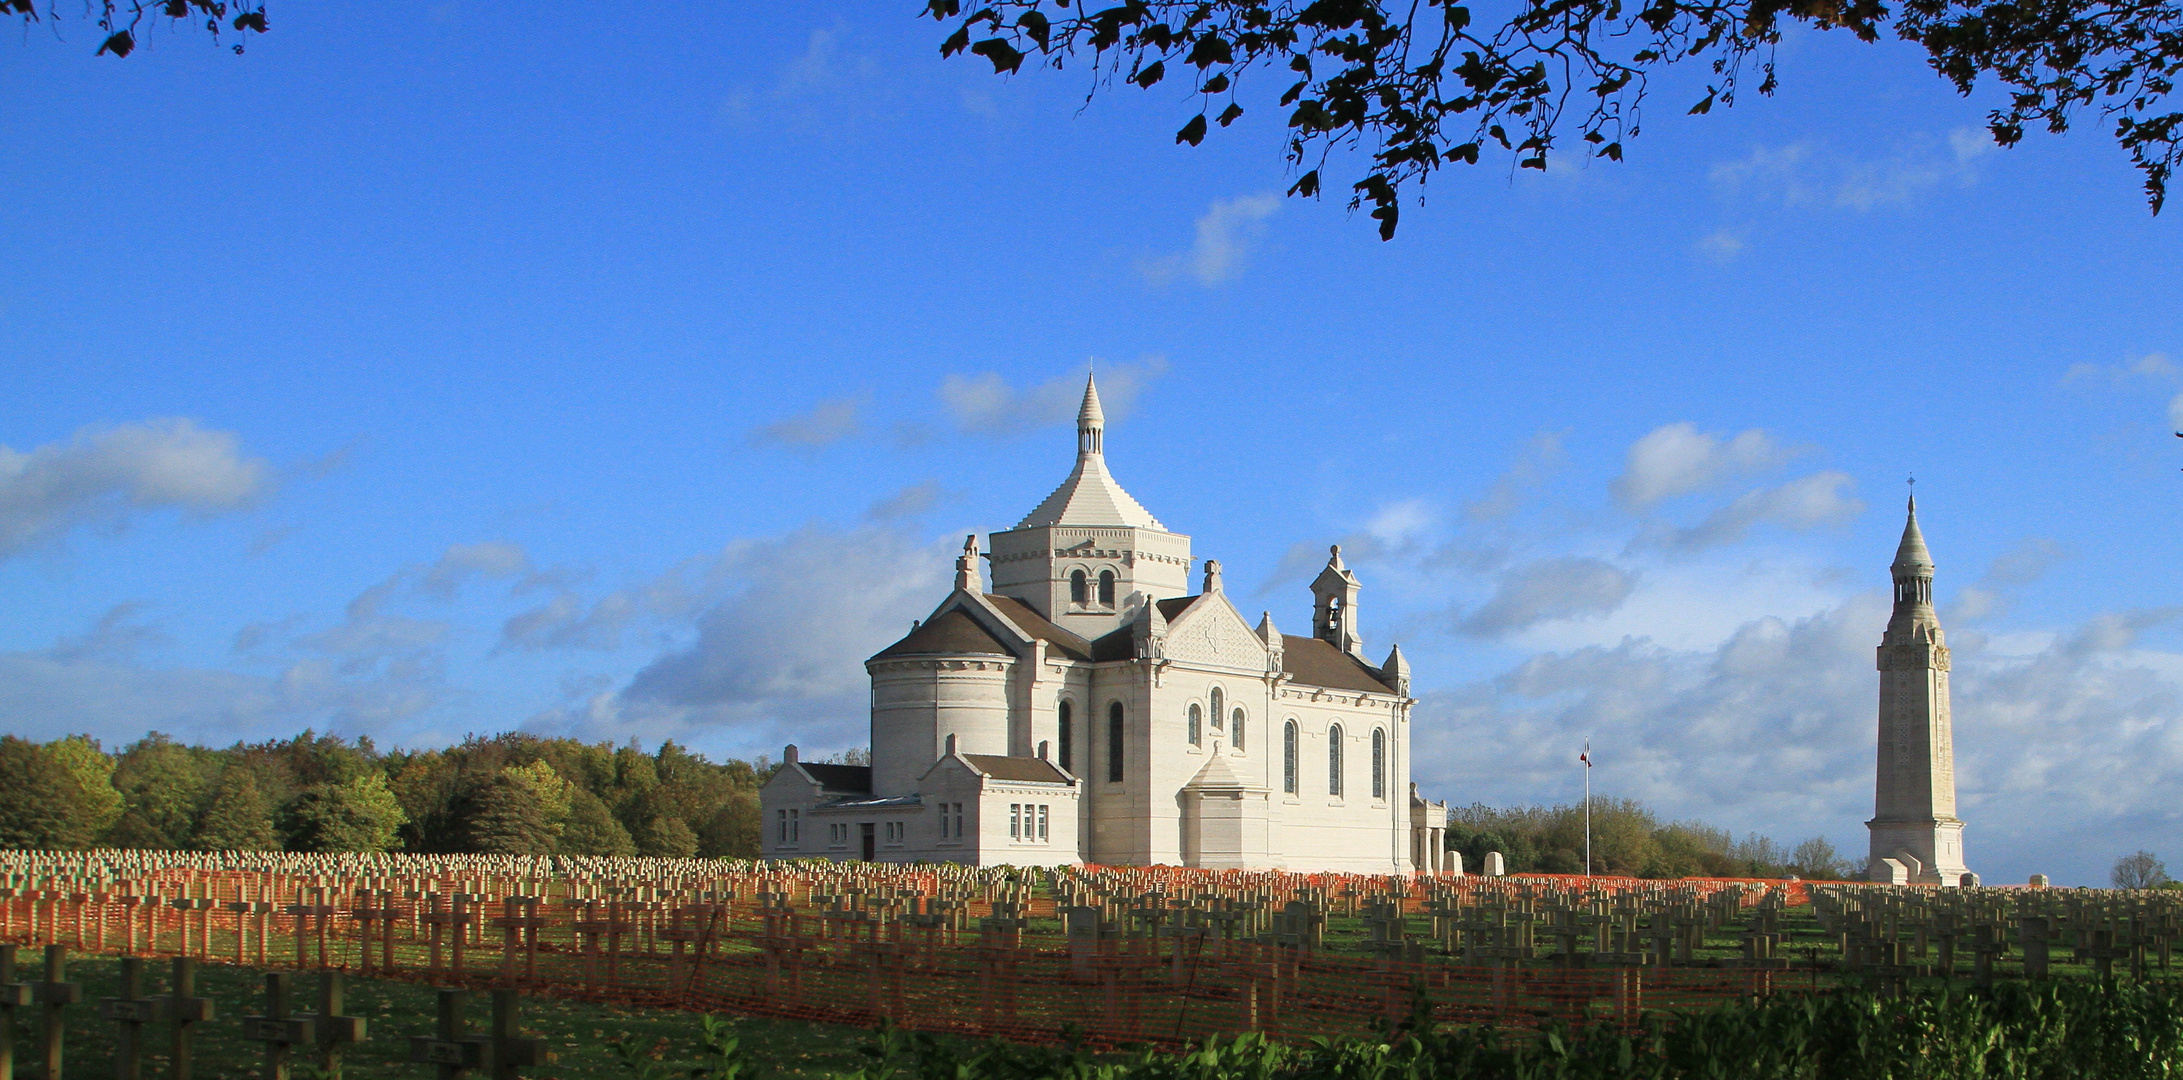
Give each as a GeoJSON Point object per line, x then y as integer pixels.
{"type": "Point", "coordinates": [950, 745]}
{"type": "Point", "coordinates": [788, 754]}
{"type": "Point", "coordinates": [1043, 745]}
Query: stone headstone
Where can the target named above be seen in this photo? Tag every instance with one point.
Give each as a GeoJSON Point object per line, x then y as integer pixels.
{"type": "Point", "coordinates": [1453, 863]}
{"type": "Point", "coordinates": [1495, 865]}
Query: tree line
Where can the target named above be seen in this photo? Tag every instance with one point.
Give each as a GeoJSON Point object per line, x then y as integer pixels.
{"type": "Point", "coordinates": [504, 794]}
{"type": "Point", "coordinates": [1627, 839]}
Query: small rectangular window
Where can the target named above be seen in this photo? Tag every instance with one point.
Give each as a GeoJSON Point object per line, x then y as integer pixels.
{"type": "Point", "coordinates": [1015, 821]}
{"type": "Point", "coordinates": [1042, 821]}
{"type": "Point", "coordinates": [795, 826]}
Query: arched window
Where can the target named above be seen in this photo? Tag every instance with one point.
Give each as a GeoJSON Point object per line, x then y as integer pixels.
{"type": "Point", "coordinates": [1106, 587]}
{"type": "Point", "coordinates": [1218, 715]}
{"type": "Point", "coordinates": [1079, 588]}
{"type": "Point", "coordinates": [1197, 725]}
{"type": "Point", "coordinates": [1235, 730]}
{"type": "Point", "coordinates": [1114, 743]}
{"type": "Point", "coordinates": [1379, 764]}
{"type": "Point", "coordinates": [1288, 757]}
{"type": "Point", "coordinates": [1067, 736]}
{"type": "Point", "coordinates": [1334, 760]}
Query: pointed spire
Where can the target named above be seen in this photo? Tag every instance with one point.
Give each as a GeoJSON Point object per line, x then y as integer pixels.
{"type": "Point", "coordinates": [1911, 554]}
{"type": "Point", "coordinates": [1091, 422]}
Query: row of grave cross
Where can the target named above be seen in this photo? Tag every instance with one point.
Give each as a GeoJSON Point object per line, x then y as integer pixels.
{"type": "Point", "coordinates": [496, 1053]}
{"type": "Point", "coordinates": [1894, 934]}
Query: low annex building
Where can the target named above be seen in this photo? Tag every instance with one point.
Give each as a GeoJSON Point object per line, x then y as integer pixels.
{"type": "Point", "coordinates": [1091, 708]}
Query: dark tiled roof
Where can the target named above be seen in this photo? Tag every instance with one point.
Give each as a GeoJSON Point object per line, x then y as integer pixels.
{"type": "Point", "coordinates": [954, 632]}
{"type": "Point", "coordinates": [1017, 768]}
{"type": "Point", "coordinates": [844, 778]}
{"type": "Point", "coordinates": [1312, 662]}
{"type": "Point", "coordinates": [1175, 606]}
{"type": "Point", "coordinates": [1040, 627]}
{"type": "Point", "coordinates": [1116, 644]}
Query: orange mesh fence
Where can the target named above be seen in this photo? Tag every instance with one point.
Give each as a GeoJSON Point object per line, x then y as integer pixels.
{"type": "Point", "coordinates": [972, 953]}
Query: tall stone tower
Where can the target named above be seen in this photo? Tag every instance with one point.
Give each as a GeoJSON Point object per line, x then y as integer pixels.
{"type": "Point", "coordinates": [1917, 839]}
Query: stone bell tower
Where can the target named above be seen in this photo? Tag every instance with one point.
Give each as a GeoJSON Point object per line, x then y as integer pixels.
{"type": "Point", "coordinates": [1917, 839]}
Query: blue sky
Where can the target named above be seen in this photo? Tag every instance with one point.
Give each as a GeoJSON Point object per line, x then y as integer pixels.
{"type": "Point", "coordinates": [478, 371]}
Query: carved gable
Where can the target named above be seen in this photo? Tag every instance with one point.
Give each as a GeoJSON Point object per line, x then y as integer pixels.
{"type": "Point", "coordinates": [1212, 633]}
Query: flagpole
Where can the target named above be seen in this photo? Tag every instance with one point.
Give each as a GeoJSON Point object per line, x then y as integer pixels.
{"type": "Point", "coordinates": [1587, 806]}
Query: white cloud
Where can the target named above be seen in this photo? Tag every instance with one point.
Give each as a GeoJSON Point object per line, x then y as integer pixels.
{"type": "Point", "coordinates": [2066, 757]}
{"type": "Point", "coordinates": [825, 424]}
{"type": "Point", "coordinates": [909, 502]}
{"type": "Point", "coordinates": [1538, 459]}
{"type": "Point", "coordinates": [1803, 174]}
{"type": "Point", "coordinates": [1549, 590]}
{"type": "Point", "coordinates": [1720, 245]}
{"type": "Point", "coordinates": [102, 683]}
{"type": "Point", "coordinates": [108, 475]}
{"type": "Point", "coordinates": [1678, 459]}
{"type": "Point", "coordinates": [989, 405]}
{"type": "Point", "coordinates": [1225, 236]}
{"type": "Point", "coordinates": [1804, 503]}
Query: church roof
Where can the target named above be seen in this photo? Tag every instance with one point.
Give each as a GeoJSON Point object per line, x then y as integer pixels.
{"type": "Point", "coordinates": [1039, 626]}
{"type": "Point", "coordinates": [1313, 662]}
{"type": "Point", "coordinates": [843, 778]}
{"type": "Point", "coordinates": [1090, 496]}
{"type": "Point", "coordinates": [1030, 769]}
{"type": "Point", "coordinates": [1217, 773]}
{"type": "Point", "coordinates": [1911, 554]}
{"type": "Point", "coordinates": [954, 632]}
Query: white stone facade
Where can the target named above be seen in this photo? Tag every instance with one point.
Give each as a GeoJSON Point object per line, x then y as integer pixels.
{"type": "Point", "coordinates": [1917, 839]}
{"type": "Point", "coordinates": [1139, 722]}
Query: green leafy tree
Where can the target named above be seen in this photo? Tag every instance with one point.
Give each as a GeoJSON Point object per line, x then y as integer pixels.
{"type": "Point", "coordinates": [163, 788]}
{"type": "Point", "coordinates": [99, 805]}
{"type": "Point", "coordinates": [1411, 86]}
{"type": "Point", "coordinates": [592, 830]}
{"type": "Point", "coordinates": [359, 815]}
{"type": "Point", "coordinates": [504, 816]}
{"type": "Point", "coordinates": [41, 805]}
{"type": "Point", "coordinates": [667, 837]}
{"type": "Point", "coordinates": [239, 817]}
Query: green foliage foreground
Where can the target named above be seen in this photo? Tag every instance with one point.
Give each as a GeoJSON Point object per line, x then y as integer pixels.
{"type": "Point", "coordinates": [2054, 1029]}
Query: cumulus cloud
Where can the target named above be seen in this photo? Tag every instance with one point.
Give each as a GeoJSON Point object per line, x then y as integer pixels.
{"type": "Point", "coordinates": [1678, 459]}
{"type": "Point", "coordinates": [1225, 236]}
{"type": "Point", "coordinates": [2066, 756]}
{"type": "Point", "coordinates": [2021, 565]}
{"type": "Point", "coordinates": [1804, 173]}
{"type": "Point", "coordinates": [909, 502]}
{"type": "Point", "coordinates": [1547, 590]}
{"type": "Point", "coordinates": [825, 424]}
{"type": "Point", "coordinates": [102, 682]}
{"type": "Point", "coordinates": [1720, 245]}
{"type": "Point", "coordinates": [990, 405]}
{"type": "Point", "coordinates": [1808, 502]}
{"type": "Point", "coordinates": [108, 475]}
{"type": "Point", "coordinates": [1534, 463]}
{"type": "Point", "coordinates": [778, 630]}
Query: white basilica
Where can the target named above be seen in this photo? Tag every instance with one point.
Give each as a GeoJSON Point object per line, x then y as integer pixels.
{"type": "Point", "coordinates": [1091, 708]}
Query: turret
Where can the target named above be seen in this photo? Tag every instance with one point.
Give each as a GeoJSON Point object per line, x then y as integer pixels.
{"type": "Point", "coordinates": [966, 566]}
{"type": "Point", "coordinates": [1334, 608]}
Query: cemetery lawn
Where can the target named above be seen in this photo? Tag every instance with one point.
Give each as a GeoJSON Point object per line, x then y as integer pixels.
{"type": "Point", "coordinates": [577, 1034]}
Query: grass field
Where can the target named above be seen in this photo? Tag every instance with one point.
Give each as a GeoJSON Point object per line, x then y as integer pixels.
{"type": "Point", "coordinates": [579, 1036]}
